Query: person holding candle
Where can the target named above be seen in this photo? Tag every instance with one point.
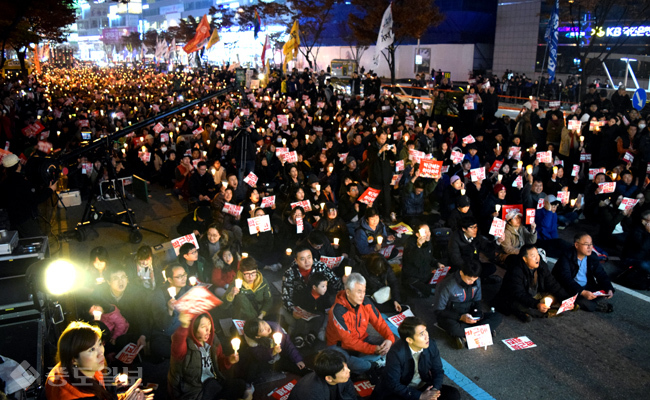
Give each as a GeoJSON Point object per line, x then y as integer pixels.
{"type": "Point", "coordinates": [164, 317]}
{"type": "Point", "coordinates": [335, 229]}
{"type": "Point", "coordinates": [201, 184]}
{"type": "Point", "coordinates": [528, 287]}
{"type": "Point", "coordinates": [253, 298]}
{"type": "Point", "coordinates": [547, 228]}
{"type": "Point", "coordinates": [147, 275]}
{"type": "Point", "coordinates": [194, 263]}
{"type": "Point", "coordinates": [265, 349]}
{"type": "Point", "coordinates": [516, 235]}
{"type": "Point", "coordinates": [419, 263]}
{"type": "Point", "coordinates": [463, 209]}
{"type": "Point", "coordinates": [381, 156]}
{"type": "Point", "coordinates": [78, 373]}
{"type": "Point", "coordinates": [366, 237]}
{"type": "Point", "coordinates": [197, 364]}
{"type": "Point", "coordinates": [465, 246]}
{"type": "Point", "coordinates": [225, 270]}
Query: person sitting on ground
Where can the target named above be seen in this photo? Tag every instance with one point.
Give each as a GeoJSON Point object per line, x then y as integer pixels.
{"type": "Point", "coordinates": [527, 285]}
{"type": "Point", "coordinates": [197, 363]}
{"type": "Point", "coordinates": [547, 228]}
{"type": "Point", "coordinates": [195, 265]}
{"type": "Point", "coordinates": [347, 328]}
{"type": "Point", "coordinates": [579, 271]}
{"type": "Point", "coordinates": [253, 299]}
{"type": "Point", "coordinates": [225, 270]}
{"type": "Point", "coordinates": [418, 262]}
{"type": "Point", "coordinates": [260, 355]}
{"type": "Point", "coordinates": [164, 317]}
{"type": "Point", "coordinates": [195, 222]}
{"type": "Point", "coordinates": [371, 228]}
{"type": "Point", "coordinates": [330, 379]}
{"type": "Point", "coordinates": [461, 211]}
{"type": "Point", "coordinates": [147, 275]}
{"type": "Point", "coordinates": [516, 235]}
{"type": "Point", "coordinates": [381, 283]}
{"type": "Point", "coordinates": [457, 303]}
{"type": "Point", "coordinates": [79, 371]}
{"type": "Point", "coordinates": [296, 279]}
{"type": "Point", "coordinates": [465, 246]}
{"type": "Point", "coordinates": [316, 300]}
{"type": "Point", "coordinates": [201, 184]}
{"type": "Point", "coordinates": [413, 367]}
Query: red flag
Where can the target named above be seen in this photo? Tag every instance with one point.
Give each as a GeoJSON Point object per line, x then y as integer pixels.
{"type": "Point", "coordinates": [264, 48]}
{"type": "Point", "coordinates": [202, 34]}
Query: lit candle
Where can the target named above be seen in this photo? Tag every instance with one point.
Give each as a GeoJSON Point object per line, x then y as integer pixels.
{"type": "Point", "coordinates": [99, 280]}
{"type": "Point", "coordinates": [548, 301]}
{"type": "Point", "coordinates": [422, 232]}
{"type": "Point", "coordinates": [348, 270]}
{"type": "Point", "coordinates": [97, 315]}
{"type": "Point", "coordinates": [529, 169]}
{"type": "Point", "coordinates": [330, 168]}
{"type": "Point", "coordinates": [244, 255]}
{"type": "Point", "coordinates": [555, 170]}
{"type": "Point", "coordinates": [582, 139]}
{"type": "Point", "coordinates": [322, 205]}
{"type": "Point", "coordinates": [193, 280]}
{"type": "Point", "coordinates": [317, 187]}
{"type": "Point", "coordinates": [462, 192]}
{"type": "Point", "coordinates": [172, 292]}
{"type": "Point", "coordinates": [439, 126]}
{"type": "Point", "coordinates": [499, 177]}
{"type": "Point", "coordinates": [224, 183]}
{"type": "Point", "coordinates": [573, 202]}
{"type": "Point", "coordinates": [519, 164]}
{"type": "Point", "coordinates": [306, 137]}
{"type": "Point", "coordinates": [613, 176]}
{"type": "Point", "coordinates": [252, 207]}
{"type": "Point", "coordinates": [238, 283]}
{"type": "Point", "coordinates": [380, 239]}
{"type": "Point", "coordinates": [534, 145]}
{"type": "Point", "coordinates": [277, 338]}
{"type": "Point", "coordinates": [235, 342]}
{"type": "Point", "coordinates": [498, 207]}
{"type": "Point", "coordinates": [284, 142]}
{"type": "Point", "coordinates": [123, 379]}
{"type": "Point", "coordinates": [288, 251]}
{"type": "Point", "coordinates": [336, 241]}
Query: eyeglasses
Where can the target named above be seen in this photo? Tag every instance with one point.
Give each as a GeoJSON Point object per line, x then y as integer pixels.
{"type": "Point", "coordinates": [193, 251]}
{"type": "Point", "coordinates": [251, 273]}
{"type": "Point", "coordinates": [586, 244]}
{"type": "Point", "coordinates": [180, 276]}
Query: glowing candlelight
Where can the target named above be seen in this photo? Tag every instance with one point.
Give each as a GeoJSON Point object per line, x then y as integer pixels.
{"type": "Point", "coordinates": [235, 342]}
{"type": "Point", "coordinates": [348, 270]}
{"type": "Point", "coordinates": [193, 280]}
{"type": "Point", "coordinates": [238, 283]}
{"type": "Point", "coordinates": [529, 169]}
{"type": "Point", "coordinates": [422, 232]}
{"type": "Point", "coordinates": [380, 239]}
{"type": "Point", "coordinates": [97, 315]}
{"type": "Point", "coordinates": [548, 301]}
{"type": "Point", "coordinates": [277, 338]}
{"type": "Point", "coordinates": [498, 207]}
{"type": "Point", "coordinates": [519, 164]}
{"type": "Point", "coordinates": [462, 192]}
{"type": "Point", "coordinates": [336, 241]}
{"type": "Point", "coordinates": [573, 202]}
{"type": "Point", "coordinates": [123, 379]}
{"type": "Point", "coordinates": [288, 251]}
{"type": "Point", "coordinates": [244, 255]}
{"type": "Point", "coordinates": [499, 177]}
{"type": "Point", "coordinates": [172, 292]}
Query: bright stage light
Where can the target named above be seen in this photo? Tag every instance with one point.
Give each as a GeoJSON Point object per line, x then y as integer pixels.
{"type": "Point", "coordinates": [60, 277]}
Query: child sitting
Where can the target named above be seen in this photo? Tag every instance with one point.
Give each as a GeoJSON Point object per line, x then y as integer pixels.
{"type": "Point", "coordinates": [315, 300]}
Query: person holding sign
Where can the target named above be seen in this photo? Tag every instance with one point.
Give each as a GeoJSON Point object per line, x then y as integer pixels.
{"type": "Point", "coordinates": [197, 363]}
{"type": "Point", "coordinates": [413, 196]}
{"type": "Point", "coordinates": [516, 236]}
{"type": "Point", "coordinates": [316, 300]}
{"type": "Point", "coordinates": [466, 244]}
{"type": "Point", "coordinates": [330, 379]}
{"type": "Point", "coordinates": [457, 303]}
{"type": "Point", "coordinates": [413, 367]}
{"type": "Point", "coordinates": [78, 374]}
{"type": "Point", "coordinates": [528, 288]}
{"type": "Point", "coordinates": [347, 327]}
{"type": "Point", "coordinates": [253, 298]}
{"type": "Point", "coordinates": [579, 271]}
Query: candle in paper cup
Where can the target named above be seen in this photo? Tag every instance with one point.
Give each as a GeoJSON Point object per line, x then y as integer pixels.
{"type": "Point", "coordinates": [284, 142]}
{"type": "Point", "coordinates": [498, 207]}
{"type": "Point", "coordinates": [348, 270]}
{"type": "Point", "coordinates": [192, 280]}
{"type": "Point", "coordinates": [238, 283]}
{"type": "Point", "coordinates": [224, 183]}
{"type": "Point", "coordinates": [235, 342]}
{"type": "Point", "coordinates": [439, 126]}
{"type": "Point", "coordinates": [462, 192]}
{"type": "Point", "coordinates": [306, 137]}
{"type": "Point", "coordinates": [172, 291]}
{"type": "Point", "coordinates": [288, 251]}
{"type": "Point", "coordinates": [529, 169]}
{"type": "Point", "coordinates": [613, 176]}
{"type": "Point", "coordinates": [99, 280]}
{"type": "Point", "coordinates": [322, 206]}
{"type": "Point", "coordinates": [380, 239]}
{"type": "Point", "coordinates": [548, 301]}
{"type": "Point", "coordinates": [317, 187]}
{"type": "Point", "coordinates": [97, 315]}
{"type": "Point", "coordinates": [520, 164]}
{"type": "Point", "coordinates": [330, 168]}
{"type": "Point", "coordinates": [277, 338]}
{"type": "Point", "coordinates": [555, 169]}
{"type": "Point", "coordinates": [573, 202]}
{"type": "Point", "coordinates": [252, 206]}
{"type": "Point", "coordinates": [244, 255]}
{"type": "Point", "coordinates": [422, 232]}
{"type": "Point", "coordinates": [534, 145]}
{"type": "Point", "coordinates": [336, 241]}
{"type": "Point", "coordinates": [582, 138]}
{"type": "Point", "coordinates": [499, 177]}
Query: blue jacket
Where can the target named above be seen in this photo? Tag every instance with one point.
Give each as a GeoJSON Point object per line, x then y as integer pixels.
{"type": "Point", "coordinates": [455, 298]}
{"type": "Point", "coordinates": [475, 162]}
{"type": "Point", "coordinates": [365, 237]}
{"type": "Point", "coordinates": [400, 368]}
{"type": "Point", "coordinates": [546, 224]}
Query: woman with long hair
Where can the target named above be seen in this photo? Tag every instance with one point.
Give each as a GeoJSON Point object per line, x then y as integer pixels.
{"type": "Point", "coordinates": [79, 372]}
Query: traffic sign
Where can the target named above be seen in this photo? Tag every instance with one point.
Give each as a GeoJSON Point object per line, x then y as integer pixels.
{"type": "Point", "coordinates": [639, 99]}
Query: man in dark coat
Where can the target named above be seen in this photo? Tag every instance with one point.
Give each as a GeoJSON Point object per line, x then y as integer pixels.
{"type": "Point", "coordinates": [329, 381]}
{"type": "Point", "coordinates": [414, 353]}
{"type": "Point", "coordinates": [529, 289]}
{"type": "Point", "coordinates": [579, 271]}
{"type": "Point", "coordinates": [380, 170]}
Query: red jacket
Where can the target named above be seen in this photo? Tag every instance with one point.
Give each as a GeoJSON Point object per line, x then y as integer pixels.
{"type": "Point", "coordinates": [347, 325]}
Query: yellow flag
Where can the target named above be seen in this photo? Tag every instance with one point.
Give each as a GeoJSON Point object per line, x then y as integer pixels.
{"type": "Point", "coordinates": [213, 39]}
{"type": "Point", "coordinates": [291, 46]}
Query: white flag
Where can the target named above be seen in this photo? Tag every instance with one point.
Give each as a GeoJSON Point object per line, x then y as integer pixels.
{"type": "Point", "coordinates": [386, 35]}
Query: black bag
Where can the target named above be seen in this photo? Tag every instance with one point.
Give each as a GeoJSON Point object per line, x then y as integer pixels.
{"type": "Point", "coordinates": [633, 278]}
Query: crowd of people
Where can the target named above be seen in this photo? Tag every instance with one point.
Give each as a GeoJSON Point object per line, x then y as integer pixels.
{"type": "Point", "coordinates": [359, 199]}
